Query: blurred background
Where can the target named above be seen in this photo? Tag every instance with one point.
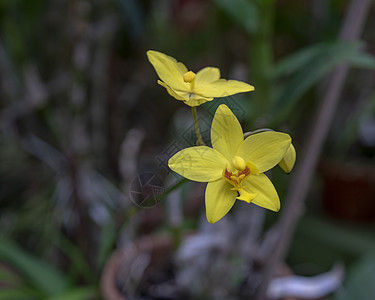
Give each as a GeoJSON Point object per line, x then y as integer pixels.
{"type": "Point", "coordinates": [86, 134]}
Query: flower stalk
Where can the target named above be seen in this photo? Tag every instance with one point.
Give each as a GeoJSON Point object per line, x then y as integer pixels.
{"type": "Point", "coordinates": [200, 141]}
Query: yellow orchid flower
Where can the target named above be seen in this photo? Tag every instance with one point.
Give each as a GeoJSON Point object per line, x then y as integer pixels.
{"type": "Point", "coordinates": [193, 89]}
{"type": "Point", "coordinates": [233, 167]}
{"type": "Point", "coordinates": [289, 159]}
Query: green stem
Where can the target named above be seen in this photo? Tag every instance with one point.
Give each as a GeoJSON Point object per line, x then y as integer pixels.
{"type": "Point", "coordinates": [176, 237]}
{"type": "Point", "coordinates": [175, 228]}
{"type": "Point", "coordinates": [172, 188]}
{"type": "Point", "coordinates": [196, 125]}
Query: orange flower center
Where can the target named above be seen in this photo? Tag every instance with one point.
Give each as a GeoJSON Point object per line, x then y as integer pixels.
{"type": "Point", "coordinates": [237, 174]}
{"type": "Point", "coordinates": [236, 178]}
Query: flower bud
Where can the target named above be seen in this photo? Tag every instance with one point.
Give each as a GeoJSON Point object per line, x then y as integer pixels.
{"type": "Point", "coordinates": [287, 163]}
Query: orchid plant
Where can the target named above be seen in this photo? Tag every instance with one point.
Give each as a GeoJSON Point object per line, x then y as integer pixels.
{"type": "Point", "coordinates": [234, 167]}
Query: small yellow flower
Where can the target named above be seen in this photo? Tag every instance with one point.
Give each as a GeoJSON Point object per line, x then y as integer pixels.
{"type": "Point", "coordinates": [233, 167]}
{"type": "Point", "coordinates": [193, 89]}
{"type": "Point", "coordinates": [287, 163]}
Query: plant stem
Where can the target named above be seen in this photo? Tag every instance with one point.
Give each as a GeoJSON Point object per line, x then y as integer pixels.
{"type": "Point", "coordinates": [172, 188]}
{"type": "Point", "coordinates": [196, 125]}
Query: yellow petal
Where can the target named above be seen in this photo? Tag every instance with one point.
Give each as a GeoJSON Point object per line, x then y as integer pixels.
{"type": "Point", "coordinates": [177, 95]}
{"type": "Point", "coordinates": [169, 70]}
{"type": "Point", "coordinates": [266, 195]}
{"type": "Point", "coordinates": [226, 132]}
{"type": "Point", "coordinates": [287, 163]}
{"type": "Point", "coordinates": [188, 98]}
{"type": "Point", "coordinates": [265, 149]}
{"type": "Point", "coordinates": [206, 76]}
{"type": "Point", "coordinates": [219, 200]}
{"type": "Point", "coordinates": [197, 100]}
{"type": "Point", "coordinates": [200, 163]}
{"type": "Point", "coordinates": [223, 88]}
{"type": "Point", "coordinates": [253, 169]}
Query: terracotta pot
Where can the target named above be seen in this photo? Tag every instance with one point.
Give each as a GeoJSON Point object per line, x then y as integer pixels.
{"type": "Point", "coordinates": [159, 250]}
{"type": "Point", "coordinates": [349, 190]}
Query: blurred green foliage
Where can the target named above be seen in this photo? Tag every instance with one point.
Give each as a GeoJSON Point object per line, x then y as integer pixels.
{"type": "Point", "coordinates": [75, 82]}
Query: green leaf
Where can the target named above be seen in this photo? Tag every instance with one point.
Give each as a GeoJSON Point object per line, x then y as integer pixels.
{"type": "Point", "coordinates": [7, 276]}
{"type": "Point", "coordinates": [107, 240]}
{"type": "Point", "coordinates": [362, 61]}
{"type": "Point", "coordinates": [16, 294]}
{"type": "Point", "coordinates": [307, 67]}
{"type": "Point", "coordinates": [44, 277]}
{"type": "Point", "coordinates": [244, 12]}
{"type": "Point", "coordinates": [79, 265]}
{"type": "Point", "coordinates": [300, 59]}
{"type": "Point", "coordinates": [77, 294]}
